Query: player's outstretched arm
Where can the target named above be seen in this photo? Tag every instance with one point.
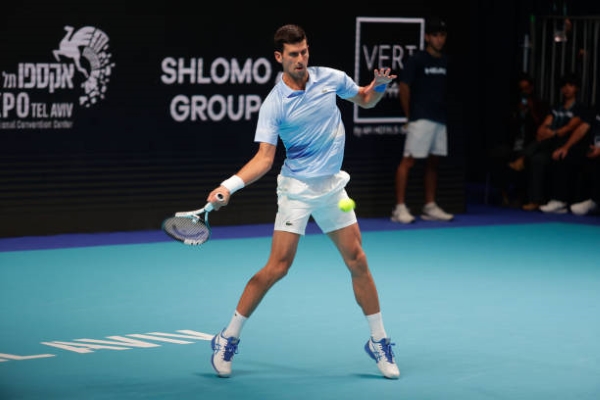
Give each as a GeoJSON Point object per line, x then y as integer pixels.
{"type": "Point", "coordinates": [368, 96]}
{"type": "Point", "coordinates": [252, 171]}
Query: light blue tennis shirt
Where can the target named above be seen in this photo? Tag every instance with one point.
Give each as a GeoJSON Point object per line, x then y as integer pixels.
{"type": "Point", "coordinates": [308, 122]}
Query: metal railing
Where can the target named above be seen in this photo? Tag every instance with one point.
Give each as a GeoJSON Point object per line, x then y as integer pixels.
{"type": "Point", "coordinates": [557, 45]}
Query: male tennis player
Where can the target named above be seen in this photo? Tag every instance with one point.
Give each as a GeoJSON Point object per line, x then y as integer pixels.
{"type": "Point", "coordinates": [301, 110]}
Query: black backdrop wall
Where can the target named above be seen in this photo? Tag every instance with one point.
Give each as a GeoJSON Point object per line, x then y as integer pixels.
{"type": "Point", "coordinates": [112, 116]}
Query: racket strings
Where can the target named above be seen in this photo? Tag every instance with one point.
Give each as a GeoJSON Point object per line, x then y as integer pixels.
{"type": "Point", "coordinates": [187, 229]}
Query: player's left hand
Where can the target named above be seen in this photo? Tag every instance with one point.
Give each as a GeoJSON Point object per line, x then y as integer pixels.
{"type": "Point", "coordinates": [383, 76]}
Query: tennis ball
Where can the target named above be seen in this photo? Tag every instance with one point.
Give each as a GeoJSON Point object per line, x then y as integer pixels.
{"type": "Point", "coordinates": [346, 205]}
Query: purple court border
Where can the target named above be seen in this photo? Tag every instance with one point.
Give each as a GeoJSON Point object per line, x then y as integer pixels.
{"type": "Point", "coordinates": [475, 215]}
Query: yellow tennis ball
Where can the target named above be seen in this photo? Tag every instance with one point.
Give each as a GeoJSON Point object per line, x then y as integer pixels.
{"type": "Point", "coordinates": [346, 205]}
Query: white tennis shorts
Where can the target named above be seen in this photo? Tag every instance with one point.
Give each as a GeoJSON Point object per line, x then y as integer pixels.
{"type": "Point", "coordinates": [297, 200]}
{"type": "Point", "coordinates": [424, 137]}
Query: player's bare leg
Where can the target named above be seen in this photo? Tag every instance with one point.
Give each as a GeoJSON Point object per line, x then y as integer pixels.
{"type": "Point", "coordinates": [225, 343]}
{"type": "Point", "coordinates": [348, 240]}
{"type": "Point", "coordinates": [283, 250]}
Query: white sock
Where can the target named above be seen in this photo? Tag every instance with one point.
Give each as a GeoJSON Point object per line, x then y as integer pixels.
{"type": "Point", "coordinates": [235, 325]}
{"type": "Point", "coordinates": [376, 326]}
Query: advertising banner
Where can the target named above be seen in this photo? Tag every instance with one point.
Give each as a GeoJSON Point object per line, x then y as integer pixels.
{"type": "Point", "coordinates": [127, 119]}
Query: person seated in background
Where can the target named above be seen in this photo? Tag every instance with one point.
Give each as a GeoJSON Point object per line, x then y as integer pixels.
{"type": "Point", "coordinates": [526, 116]}
{"type": "Point", "coordinates": [565, 170]}
{"type": "Point", "coordinates": [553, 133]}
{"type": "Point", "coordinates": [592, 166]}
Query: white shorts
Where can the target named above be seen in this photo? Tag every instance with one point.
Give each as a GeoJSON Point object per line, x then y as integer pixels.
{"type": "Point", "coordinates": [297, 200]}
{"type": "Point", "coordinates": [425, 137]}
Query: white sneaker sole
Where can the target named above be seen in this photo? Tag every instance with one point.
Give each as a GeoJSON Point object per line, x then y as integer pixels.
{"type": "Point", "coordinates": [582, 212]}
{"type": "Point", "coordinates": [430, 218]}
{"type": "Point", "coordinates": [557, 211]}
{"type": "Point", "coordinates": [393, 219]}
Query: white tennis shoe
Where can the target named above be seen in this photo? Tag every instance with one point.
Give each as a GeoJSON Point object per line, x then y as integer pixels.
{"type": "Point", "coordinates": [555, 207]}
{"type": "Point", "coordinates": [383, 355]}
{"type": "Point", "coordinates": [223, 351]}
{"type": "Point", "coordinates": [402, 214]}
{"type": "Point", "coordinates": [433, 212]}
{"type": "Point", "coordinates": [584, 207]}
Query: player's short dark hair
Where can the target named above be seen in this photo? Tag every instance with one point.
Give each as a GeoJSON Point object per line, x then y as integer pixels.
{"type": "Point", "coordinates": [288, 34]}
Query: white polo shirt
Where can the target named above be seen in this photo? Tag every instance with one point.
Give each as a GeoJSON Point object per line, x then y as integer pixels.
{"type": "Point", "coordinates": [308, 122]}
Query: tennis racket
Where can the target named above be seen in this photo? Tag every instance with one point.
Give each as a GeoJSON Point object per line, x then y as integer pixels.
{"type": "Point", "coordinates": [190, 227]}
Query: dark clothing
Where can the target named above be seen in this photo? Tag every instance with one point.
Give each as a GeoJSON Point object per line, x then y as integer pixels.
{"type": "Point", "coordinates": [426, 77]}
{"type": "Point", "coordinates": [594, 177]}
{"type": "Point", "coordinates": [522, 127]}
{"type": "Point", "coordinates": [594, 135]}
{"type": "Point", "coordinates": [590, 188]}
{"type": "Point", "coordinates": [566, 176]}
{"type": "Point", "coordinates": [524, 122]}
{"type": "Point", "coordinates": [538, 159]}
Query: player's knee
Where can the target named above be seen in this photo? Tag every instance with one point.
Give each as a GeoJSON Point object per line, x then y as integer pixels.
{"type": "Point", "coordinates": [277, 271]}
{"type": "Point", "coordinates": [357, 262]}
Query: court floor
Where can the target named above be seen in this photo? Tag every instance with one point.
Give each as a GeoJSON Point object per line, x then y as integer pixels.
{"type": "Point", "coordinates": [498, 304]}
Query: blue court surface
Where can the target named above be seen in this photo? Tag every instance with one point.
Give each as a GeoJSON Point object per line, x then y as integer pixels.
{"type": "Point", "coordinates": [497, 304]}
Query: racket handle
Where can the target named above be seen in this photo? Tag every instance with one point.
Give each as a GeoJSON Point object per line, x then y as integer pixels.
{"type": "Point", "coordinates": [209, 206]}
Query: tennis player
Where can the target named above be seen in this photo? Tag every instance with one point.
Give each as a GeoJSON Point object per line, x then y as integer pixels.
{"type": "Point", "coordinates": [301, 110]}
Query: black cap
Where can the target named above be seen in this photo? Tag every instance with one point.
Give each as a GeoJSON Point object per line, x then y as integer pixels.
{"type": "Point", "coordinates": [434, 25]}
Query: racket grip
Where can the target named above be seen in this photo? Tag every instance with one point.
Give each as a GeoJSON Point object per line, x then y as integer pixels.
{"type": "Point", "coordinates": [209, 206]}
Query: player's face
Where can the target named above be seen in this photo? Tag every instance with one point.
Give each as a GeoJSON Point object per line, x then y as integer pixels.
{"type": "Point", "coordinates": [436, 40]}
{"type": "Point", "coordinates": [294, 60]}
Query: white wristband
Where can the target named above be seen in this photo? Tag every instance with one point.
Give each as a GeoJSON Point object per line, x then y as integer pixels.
{"type": "Point", "coordinates": [233, 184]}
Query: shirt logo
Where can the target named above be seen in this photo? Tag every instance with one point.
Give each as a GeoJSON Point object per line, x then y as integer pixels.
{"type": "Point", "coordinates": [435, 71]}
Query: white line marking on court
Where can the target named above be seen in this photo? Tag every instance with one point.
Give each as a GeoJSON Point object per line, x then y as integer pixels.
{"type": "Point", "coordinates": [117, 342]}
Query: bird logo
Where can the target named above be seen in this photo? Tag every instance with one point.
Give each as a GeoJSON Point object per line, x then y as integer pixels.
{"type": "Point", "coordinates": [89, 46]}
